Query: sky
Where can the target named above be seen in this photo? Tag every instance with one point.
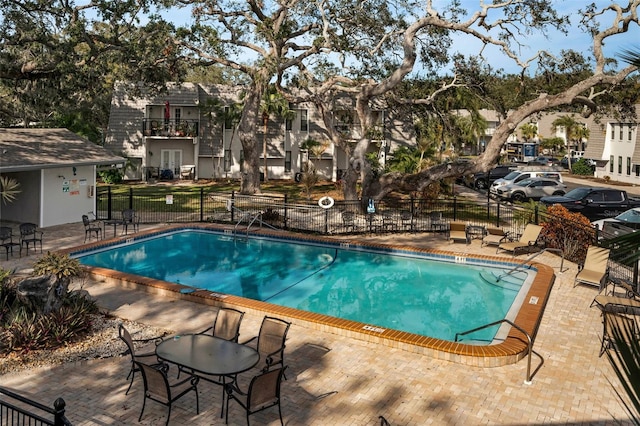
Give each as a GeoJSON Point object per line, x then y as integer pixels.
{"type": "Point", "coordinates": [576, 39]}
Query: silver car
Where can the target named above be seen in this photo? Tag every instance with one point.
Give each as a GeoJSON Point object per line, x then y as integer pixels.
{"type": "Point", "coordinates": [531, 188]}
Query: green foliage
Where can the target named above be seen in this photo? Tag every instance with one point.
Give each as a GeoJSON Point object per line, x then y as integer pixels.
{"type": "Point", "coordinates": [582, 168]}
{"type": "Point", "coordinates": [309, 179]}
{"type": "Point", "coordinates": [8, 189]}
{"type": "Point", "coordinates": [404, 160]}
{"type": "Point", "coordinates": [24, 330]}
{"type": "Point", "coordinates": [527, 214]}
{"type": "Point", "coordinates": [59, 265]}
{"type": "Point", "coordinates": [111, 176]}
{"type": "Point", "coordinates": [374, 163]}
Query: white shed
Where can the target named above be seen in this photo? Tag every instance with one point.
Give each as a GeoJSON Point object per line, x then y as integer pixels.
{"type": "Point", "coordinates": [56, 170]}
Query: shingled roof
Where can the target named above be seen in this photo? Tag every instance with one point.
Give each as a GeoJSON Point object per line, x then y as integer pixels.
{"type": "Point", "coordinates": [34, 149]}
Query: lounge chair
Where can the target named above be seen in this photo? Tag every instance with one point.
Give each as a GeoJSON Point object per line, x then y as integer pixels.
{"type": "Point", "coordinates": [494, 237]}
{"type": "Point", "coordinates": [593, 271]}
{"type": "Point", "coordinates": [458, 232]}
{"type": "Point", "coordinates": [617, 328]}
{"type": "Point", "coordinates": [528, 240]}
{"type": "Point", "coordinates": [617, 304]}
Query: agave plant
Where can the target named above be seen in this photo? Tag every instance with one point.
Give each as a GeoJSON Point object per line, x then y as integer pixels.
{"type": "Point", "coordinates": [8, 189]}
{"type": "Point", "coordinates": [625, 361]}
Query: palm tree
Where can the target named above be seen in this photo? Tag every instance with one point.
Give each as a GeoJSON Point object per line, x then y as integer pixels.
{"type": "Point", "coordinates": [529, 131]}
{"type": "Point", "coordinates": [632, 57]}
{"type": "Point", "coordinates": [571, 128]}
{"type": "Point", "coordinates": [8, 189]}
{"type": "Point", "coordinates": [272, 103]}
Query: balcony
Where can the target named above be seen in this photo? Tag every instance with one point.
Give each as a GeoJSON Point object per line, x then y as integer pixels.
{"type": "Point", "coordinates": [171, 128]}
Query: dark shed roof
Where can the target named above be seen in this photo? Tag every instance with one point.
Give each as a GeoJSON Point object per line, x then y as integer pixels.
{"type": "Point", "coordinates": [34, 149]}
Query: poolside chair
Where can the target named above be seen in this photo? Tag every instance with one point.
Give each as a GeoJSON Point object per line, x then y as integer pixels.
{"type": "Point", "coordinates": [130, 218]}
{"type": "Point", "coordinates": [458, 232]}
{"type": "Point", "coordinates": [527, 241]}
{"type": "Point", "coordinates": [157, 387]}
{"type": "Point", "coordinates": [388, 221]}
{"type": "Point", "coordinates": [29, 234]}
{"type": "Point", "coordinates": [226, 324]}
{"type": "Point", "coordinates": [593, 271]}
{"type": "Point", "coordinates": [437, 223]}
{"type": "Point", "coordinates": [91, 227]}
{"type": "Point", "coordinates": [349, 221]}
{"type": "Point", "coordinates": [406, 218]}
{"type": "Point", "coordinates": [125, 336]}
{"type": "Point", "coordinates": [263, 393]}
{"type": "Point", "coordinates": [494, 237]}
{"type": "Point", "coordinates": [616, 304]}
{"type": "Point", "coordinates": [629, 289]}
{"type": "Point", "coordinates": [270, 341]}
{"type": "Point", "coordinates": [617, 328]}
{"type": "Point", "coordinates": [6, 240]}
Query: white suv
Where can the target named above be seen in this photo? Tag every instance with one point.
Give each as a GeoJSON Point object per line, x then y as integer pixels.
{"type": "Point", "coordinates": [518, 175]}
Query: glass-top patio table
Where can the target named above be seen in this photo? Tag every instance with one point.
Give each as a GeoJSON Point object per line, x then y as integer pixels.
{"type": "Point", "coordinates": [208, 355]}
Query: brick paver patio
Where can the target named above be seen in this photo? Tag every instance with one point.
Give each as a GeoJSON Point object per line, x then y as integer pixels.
{"type": "Point", "coordinates": [334, 380]}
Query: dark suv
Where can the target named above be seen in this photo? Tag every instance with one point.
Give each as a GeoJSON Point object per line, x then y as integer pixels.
{"type": "Point", "coordinates": [484, 180]}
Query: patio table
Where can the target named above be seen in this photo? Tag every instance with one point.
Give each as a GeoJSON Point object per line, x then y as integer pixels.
{"type": "Point", "coordinates": [209, 355]}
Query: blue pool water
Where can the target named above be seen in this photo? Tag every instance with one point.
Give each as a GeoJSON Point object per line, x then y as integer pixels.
{"type": "Point", "coordinates": [402, 292]}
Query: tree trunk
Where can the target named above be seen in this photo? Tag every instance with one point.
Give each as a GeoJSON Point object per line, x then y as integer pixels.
{"type": "Point", "coordinates": [250, 180]}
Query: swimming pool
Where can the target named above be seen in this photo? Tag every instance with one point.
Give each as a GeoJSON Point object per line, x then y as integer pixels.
{"type": "Point", "coordinates": [399, 290]}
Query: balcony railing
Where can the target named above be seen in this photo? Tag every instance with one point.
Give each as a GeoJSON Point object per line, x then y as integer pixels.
{"type": "Point", "coordinates": [170, 128]}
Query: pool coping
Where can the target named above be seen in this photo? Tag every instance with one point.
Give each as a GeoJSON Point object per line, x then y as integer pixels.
{"type": "Point", "coordinates": [511, 350]}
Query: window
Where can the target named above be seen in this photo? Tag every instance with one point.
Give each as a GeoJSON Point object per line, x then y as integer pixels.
{"type": "Point", "coordinates": [637, 169]}
{"type": "Point", "coordinates": [628, 166]}
{"type": "Point", "coordinates": [621, 131]}
{"type": "Point", "coordinates": [611, 164]}
{"type": "Point", "coordinates": [630, 134]}
{"type": "Point", "coordinates": [620, 164]}
{"type": "Point", "coordinates": [304, 120]}
{"type": "Point", "coordinates": [613, 196]}
{"type": "Point", "coordinates": [178, 113]}
{"type": "Point", "coordinates": [227, 160]}
{"type": "Point", "coordinates": [287, 161]}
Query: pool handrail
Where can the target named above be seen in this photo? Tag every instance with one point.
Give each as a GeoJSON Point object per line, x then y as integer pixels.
{"type": "Point", "coordinates": [529, 344]}
{"type": "Point", "coordinates": [524, 262]}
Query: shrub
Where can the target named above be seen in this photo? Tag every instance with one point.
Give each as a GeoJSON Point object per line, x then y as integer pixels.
{"type": "Point", "coordinates": [572, 240]}
{"type": "Point", "coordinates": [581, 167]}
{"type": "Point", "coordinates": [111, 176]}
{"type": "Point", "coordinates": [59, 265]}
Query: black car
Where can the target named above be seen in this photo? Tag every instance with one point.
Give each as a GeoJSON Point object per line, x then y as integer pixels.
{"type": "Point", "coordinates": [483, 180]}
{"type": "Point", "coordinates": [595, 203]}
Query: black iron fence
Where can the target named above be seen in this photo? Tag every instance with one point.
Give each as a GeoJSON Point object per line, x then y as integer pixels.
{"type": "Point", "coordinates": [339, 217]}
{"type": "Point", "coordinates": [15, 409]}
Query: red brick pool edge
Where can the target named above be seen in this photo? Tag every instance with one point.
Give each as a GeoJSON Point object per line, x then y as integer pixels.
{"type": "Point", "coordinates": [511, 350]}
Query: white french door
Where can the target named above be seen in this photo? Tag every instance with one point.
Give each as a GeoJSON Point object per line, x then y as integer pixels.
{"type": "Point", "coordinates": [171, 159]}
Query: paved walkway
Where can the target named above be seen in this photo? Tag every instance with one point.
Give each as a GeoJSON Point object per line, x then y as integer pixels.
{"type": "Point", "coordinates": [333, 380]}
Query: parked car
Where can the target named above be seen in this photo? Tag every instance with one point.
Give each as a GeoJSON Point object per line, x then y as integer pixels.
{"type": "Point", "coordinates": [519, 175]}
{"type": "Point", "coordinates": [544, 161]}
{"type": "Point", "coordinates": [624, 223]}
{"type": "Point", "coordinates": [483, 180]}
{"type": "Point", "coordinates": [593, 202]}
{"type": "Point", "coordinates": [531, 188]}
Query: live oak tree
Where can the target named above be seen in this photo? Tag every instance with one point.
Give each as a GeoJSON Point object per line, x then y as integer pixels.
{"type": "Point", "coordinates": [391, 54]}
{"type": "Point", "coordinates": [59, 59]}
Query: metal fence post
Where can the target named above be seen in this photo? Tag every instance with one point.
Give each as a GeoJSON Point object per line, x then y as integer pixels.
{"type": "Point", "coordinates": [109, 202]}
{"type": "Point", "coordinates": [130, 198]}
{"type": "Point", "coordinates": [284, 223]}
{"type": "Point", "coordinates": [58, 415]}
{"type": "Point", "coordinates": [455, 208]}
{"type": "Point", "coordinates": [201, 204]}
{"type": "Point", "coordinates": [233, 196]}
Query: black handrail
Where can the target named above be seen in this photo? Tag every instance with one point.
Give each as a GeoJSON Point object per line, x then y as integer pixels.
{"type": "Point", "coordinates": [21, 415]}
